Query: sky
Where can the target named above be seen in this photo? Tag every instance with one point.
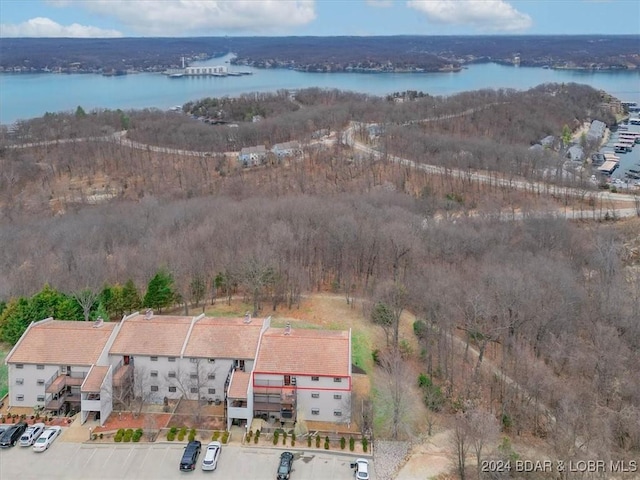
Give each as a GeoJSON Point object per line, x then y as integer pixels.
{"type": "Point", "coordinates": [184, 18]}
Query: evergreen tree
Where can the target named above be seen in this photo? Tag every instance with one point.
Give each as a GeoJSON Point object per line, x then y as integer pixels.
{"type": "Point", "coordinates": [130, 297]}
{"type": "Point", "coordinates": [160, 292]}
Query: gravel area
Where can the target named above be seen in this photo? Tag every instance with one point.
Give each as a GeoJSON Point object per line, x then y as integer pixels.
{"type": "Point", "coordinates": [388, 457]}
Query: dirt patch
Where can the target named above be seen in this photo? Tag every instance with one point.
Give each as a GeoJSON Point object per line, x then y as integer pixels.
{"type": "Point", "coordinates": [126, 420]}
{"type": "Point", "coordinates": [429, 459]}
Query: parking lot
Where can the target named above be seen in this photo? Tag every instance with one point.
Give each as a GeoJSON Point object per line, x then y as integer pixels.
{"type": "Point", "coordinates": [158, 461]}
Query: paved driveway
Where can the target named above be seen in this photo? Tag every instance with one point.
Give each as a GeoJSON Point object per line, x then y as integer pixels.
{"type": "Point", "coordinates": [160, 461]}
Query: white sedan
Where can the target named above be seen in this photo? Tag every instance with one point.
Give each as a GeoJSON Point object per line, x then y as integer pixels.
{"type": "Point", "coordinates": [211, 455]}
{"type": "Point", "coordinates": [45, 440]}
{"type": "Point", "coordinates": [31, 434]}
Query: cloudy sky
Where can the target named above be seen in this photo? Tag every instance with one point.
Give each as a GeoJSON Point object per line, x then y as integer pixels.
{"type": "Point", "coordinates": [116, 18]}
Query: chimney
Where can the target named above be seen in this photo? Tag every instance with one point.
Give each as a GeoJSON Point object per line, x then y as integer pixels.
{"type": "Point", "coordinates": [247, 318]}
{"type": "Point", "coordinates": [287, 328]}
{"type": "Point", "coordinates": [98, 323]}
{"type": "Point", "coordinates": [148, 314]}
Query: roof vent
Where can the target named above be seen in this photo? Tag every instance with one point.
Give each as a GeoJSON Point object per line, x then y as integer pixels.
{"type": "Point", "coordinates": [287, 328]}
{"type": "Point", "coordinates": [247, 318]}
{"type": "Point", "coordinates": [98, 323]}
{"type": "Point", "coordinates": [148, 314]}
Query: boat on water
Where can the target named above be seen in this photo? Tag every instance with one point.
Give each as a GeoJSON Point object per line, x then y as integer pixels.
{"type": "Point", "coordinates": [176, 75]}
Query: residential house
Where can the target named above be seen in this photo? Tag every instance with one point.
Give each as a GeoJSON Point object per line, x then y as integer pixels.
{"type": "Point", "coordinates": [575, 153]}
{"type": "Point", "coordinates": [252, 156]}
{"type": "Point", "coordinates": [287, 149]}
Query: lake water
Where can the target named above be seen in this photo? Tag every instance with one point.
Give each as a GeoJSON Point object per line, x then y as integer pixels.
{"type": "Point", "coordinates": [31, 95]}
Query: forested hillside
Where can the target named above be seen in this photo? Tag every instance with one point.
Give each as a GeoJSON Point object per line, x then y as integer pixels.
{"type": "Point", "coordinates": [554, 303]}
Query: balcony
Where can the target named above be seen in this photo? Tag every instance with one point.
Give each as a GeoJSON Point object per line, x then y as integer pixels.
{"type": "Point", "coordinates": [63, 381]}
{"type": "Point", "coordinates": [57, 401]}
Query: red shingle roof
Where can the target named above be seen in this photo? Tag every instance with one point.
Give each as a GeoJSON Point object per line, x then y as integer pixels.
{"type": "Point", "coordinates": [94, 380]}
{"type": "Point", "coordinates": [161, 335]}
{"type": "Point", "coordinates": [224, 338]}
{"type": "Point", "coordinates": [304, 352]}
{"type": "Point", "coordinates": [239, 384]}
{"type": "Point", "coordinates": [60, 342]}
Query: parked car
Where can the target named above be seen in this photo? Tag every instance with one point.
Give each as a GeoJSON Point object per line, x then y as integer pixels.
{"type": "Point", "coordinates": [31, 434]}
{"type": "Point", "coordinates": [190, 456]}
{"type": "Point", "coordinates": [12, 434]}
{"type": "Point", "coordinates": [286, 463]}
{"type": "Point", "coordinates": [211, 454]}
{"type": "Point", "coordinates": [45, 440]}
{"type": "Point", "coordinates": [361, 467]}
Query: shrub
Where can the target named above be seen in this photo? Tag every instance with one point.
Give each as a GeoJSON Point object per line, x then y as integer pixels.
{"type": "Point", "coordinates": [192, 435]}
{"type": "Point", "coordinates": [174, 430]}
{"type": "Point", "coordinates": [257, 437]}
{"type": "Point", "coordinates": [293, 439]}
{"type": "Point", "coordinates": [119, 435]}
{"type": "Point", "coordinates": [343, 443]}
{"type": "Point", "coordinates": [317, 441]}
{"type": "Point", "coordinates": [258, 433]}
{"type": "Point", "coordinates": [137, 435]}
{"type": "Point", "coordinates": [120, 432]}
{"type": "Point", "coordinates": [94, 436]}
{"type": "Point", "coordinates": [326, 443]}
{"type": "Point", "coordinates": [249, 435]}
{"type": "Point", "coordinates": [216, 436]}
{"type": "Point", "coordinates": [101, 436]}
{"type": "Point", "coordinates": [171, 436]}
{"type": "Point", "coordinates": [128, 435]}
{"type": "Point", "coordinates": [276, 436]}
{"type": "Point", "coordinates": [365, 444]}
{"type": "Point", "coordinates": [309, 441]}
{"type": "Point", "coordinates": [225, 437]}
{"type": "Point", "coordinates": [352, 444]}
{"type": "Point", "coordinates": [284, 438]}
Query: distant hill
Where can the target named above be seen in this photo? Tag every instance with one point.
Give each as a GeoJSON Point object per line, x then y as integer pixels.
{"type": "Point", "coordinates": [322, 54]}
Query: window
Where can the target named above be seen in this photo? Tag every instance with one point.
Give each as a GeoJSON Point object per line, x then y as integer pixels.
{"type": "Point", "coordinates": [20, 398]}
{"type": "Point", "coordinates": [40, 381]}
{"type": "Point", "coordinates": [212, 360]}
{"type": "Point", "coordinates": [193, 360]}
{"type": "Point", "coordinates": [172, 374]}
{"type": "Point", "coordinates": [40, 398]}
{"type": "Point", "coordinates": [19, 365]}
{"type": "Point", "coordinates": [337, 413]}
{"type": "Point", "coordinates": [19, 381]}
{"type": "Point", "coordinates": [315, 379]}
{"type": "Point", "coordinates": [337, 396]}
{"type": "Point", "coordinates": [337, 379]}
{"type": "Point", "coordinates": [193, 376]}
{"type": "Point", "coordinates": [212, 391]}
{"type": "Point", "coordinates": [154, 373]}
{"type": "Point", "coordinates": [194, 390]}
{"type": "Point", "coordinates": [315, 395]}
{"type": "Point", "coordinates": [172, 389]}
{"type": "Point", "coordinates": [154, 359]}
{"type": "Point", "coordinates": [211, 376]}
{"type": "Point", "coordinates": [171, 359]}
{"type": "Point", "coordinates": [40, 367]}
{"type": "Point", "coordinates": [154, 388]}
{"type": "Point", "coordinates": [287, 379]}
{"type": "Point", "coordinates": [315, 411]}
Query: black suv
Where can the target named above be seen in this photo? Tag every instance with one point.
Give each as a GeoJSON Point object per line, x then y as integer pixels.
{"type": "Point", "coordinates": [284, 469]}
{"type": "Point", "coordinates": [12, 434]}
{"type": "Point", "coordinates": [190, 456]}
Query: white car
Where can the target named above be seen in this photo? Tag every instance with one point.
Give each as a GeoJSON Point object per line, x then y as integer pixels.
{"type": "Point", "coordinates": [31, 434]}
{"type": "Point", "coordinates": [211, 455]}
{"type": "Point", "coordinates": [45, 440]}
{"type": "Point", "coordinates": [361, 466]}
